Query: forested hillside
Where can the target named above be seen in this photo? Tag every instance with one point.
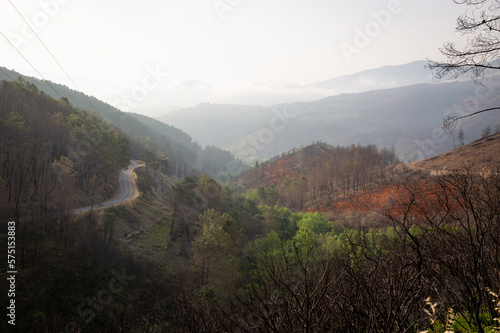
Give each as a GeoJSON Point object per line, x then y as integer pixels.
{"type": "Point", "coordinates": [227, 260]}
{"type": "Point", "coordinates": [54, 156]}
{"type": "Point", "coordinates": [144, 133]}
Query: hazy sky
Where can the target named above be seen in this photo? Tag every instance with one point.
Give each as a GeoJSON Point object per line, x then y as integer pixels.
{"type": "Point", "coordinates": [130, 45]}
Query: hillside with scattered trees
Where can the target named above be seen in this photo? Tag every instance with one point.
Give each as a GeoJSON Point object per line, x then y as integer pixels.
{"type": "Point", "coordinates": [53, 156]}
{"type": "Point", "coordinates": [318, 174]}
{"type": "Point", "coordinates": [323, 238]}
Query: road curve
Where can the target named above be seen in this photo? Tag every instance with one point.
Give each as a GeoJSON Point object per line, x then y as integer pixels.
{"type": "Point", "coordinates": [127, 191]}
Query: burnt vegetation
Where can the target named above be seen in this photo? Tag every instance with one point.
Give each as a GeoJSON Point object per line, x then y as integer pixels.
{"type": "Point", "coordinates": [319, 174]}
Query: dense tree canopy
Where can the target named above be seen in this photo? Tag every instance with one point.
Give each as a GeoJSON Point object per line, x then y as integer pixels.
{"type": "Point", "coordinates": [49, 148]}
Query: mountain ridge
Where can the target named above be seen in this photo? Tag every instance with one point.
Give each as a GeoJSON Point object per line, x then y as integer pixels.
{"type": "Point", "coordinates": [408, 117]}
{"type": "Point", "coordinates": [389, 76]}
{"type": "Point", "coordinates": [358, 178]}
{"type": "Point", "coordinates": [272, 92]}
{"type": "Point", "coordinates": [147, 135]}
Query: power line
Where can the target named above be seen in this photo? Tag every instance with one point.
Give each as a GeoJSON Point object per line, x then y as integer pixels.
{"type": "Point", "coordinates": [36, 70]}
{"type": "Point", "coordinates": [52, 55]}
{"type": "Point", "coordinates": [30, 95]}
{"type": "Point", "coordinates": [81, 50]}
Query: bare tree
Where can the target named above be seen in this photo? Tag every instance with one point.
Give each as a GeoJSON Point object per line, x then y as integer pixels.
{"type": "Point", "coordinates": [482, 26]}
{"type": "Point", "coordinates": [461, 138]}
{"type": "Point", "coordinates": [486, 132]}
{"type": "Point", "coordinates": [292, 289]}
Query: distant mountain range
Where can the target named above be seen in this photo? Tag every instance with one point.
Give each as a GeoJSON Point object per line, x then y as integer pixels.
{"type": "Point", "coordinates": [379, 78]}
{"type": "Point", "coordinates": [191, 92]}
{"type": "Point", "coordinates": [409, 117]}
{"type": "Point", "coordinates": [396, 110]}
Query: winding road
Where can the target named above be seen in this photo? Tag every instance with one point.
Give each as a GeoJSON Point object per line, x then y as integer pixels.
{"type": "Point", "coordinates": [127, 191]}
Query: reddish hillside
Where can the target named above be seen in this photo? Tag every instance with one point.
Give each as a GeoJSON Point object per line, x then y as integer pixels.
{"type": "Point", "coordinates": [393, 199]}
{"type": "Point", "coordinates": [291, 166]}
{"type": "Point", "coordinates": [318, 174]}
{"type": "Point", "coordinates": [362, 179]}
{"type": "Point", "coordinates": [417, 181]}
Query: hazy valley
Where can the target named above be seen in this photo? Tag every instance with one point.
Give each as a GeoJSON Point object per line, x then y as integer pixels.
{"type": "Point", "coordinates": [408, 117]}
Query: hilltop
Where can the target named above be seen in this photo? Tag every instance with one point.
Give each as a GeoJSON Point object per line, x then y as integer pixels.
{"type": "Point", "coordinates": [189, 249]}
{"type": "Point", "coordinates": [318, 174]}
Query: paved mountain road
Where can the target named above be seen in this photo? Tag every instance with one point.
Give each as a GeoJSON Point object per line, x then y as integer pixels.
{"type": "Point", "coordinates": [127, 190]}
